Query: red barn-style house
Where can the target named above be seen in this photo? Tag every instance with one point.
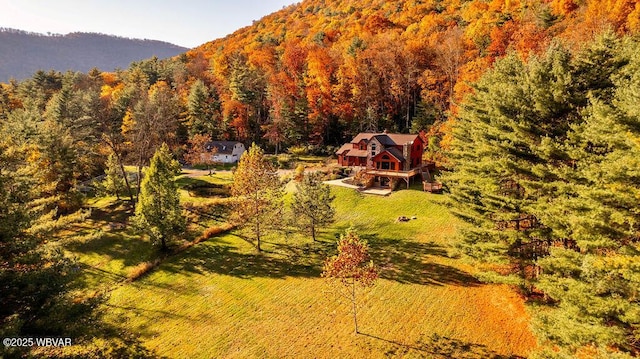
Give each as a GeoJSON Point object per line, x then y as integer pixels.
{"type": "Point", "coordinates": [384, 155]}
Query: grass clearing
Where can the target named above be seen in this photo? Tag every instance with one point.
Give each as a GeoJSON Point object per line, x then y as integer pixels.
{"type": "Point", "coordinates": [220, 298]}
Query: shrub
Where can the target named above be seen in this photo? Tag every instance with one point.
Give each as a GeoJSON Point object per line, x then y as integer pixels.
{"type": "Point", "coordinates": [330, 150]}
{"type": "Point", "coordinates": [299, 173]}
{"type": "Point", "coordinates": [362, 179]}
{"type": "Point", "coordinates": [341, 171]}
{"type": "Point", "coordinates": [142, 269]}
{"type": "Point", "coordinates": [212, 231]}
{"type": "Point", "coordinates": [395, 183]}
{"type": "Point", "coordinates": [298, 150]}
{"type": "Point", "coordinates": [284, 160]}
{"type": "Point", "coordinates": [205, 189]}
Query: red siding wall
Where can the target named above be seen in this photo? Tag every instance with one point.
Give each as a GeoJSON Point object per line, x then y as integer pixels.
{"type": "Point", "coordinates": [387, 164]}
{"type": "Point", "coordinates": [416, 153]}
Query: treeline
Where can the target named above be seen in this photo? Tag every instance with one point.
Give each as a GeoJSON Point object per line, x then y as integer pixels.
{"type": "Point", "coordinates": [318, 72]}
{"type": "Point", "coordinates": [322, 70]}
{"type": "Point", "coordinates": [23, 32]}
{"type": "Point", "coordinates": [546, 168]}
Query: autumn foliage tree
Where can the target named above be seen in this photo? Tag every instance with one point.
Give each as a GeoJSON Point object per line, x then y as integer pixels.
{"type": "Point", "coordinates": [258, 192]}
{"type": "Point", "coordinates": [198, 152]}
{"type": "Point", "coordinates": [153, 121]}
{"type": "Point", "coordinates": [349, 268]}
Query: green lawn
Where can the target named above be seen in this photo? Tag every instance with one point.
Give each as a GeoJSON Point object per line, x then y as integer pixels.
{"type": "Point", "coordinates": [105, 245]}
{"type": "Point", "coordinates": [220, 298]}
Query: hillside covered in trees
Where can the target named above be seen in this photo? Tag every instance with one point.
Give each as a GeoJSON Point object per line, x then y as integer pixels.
{"type": "Point", "coordinates": [23, 53]}
{"type": "Point", "coordinates": [319, 71]}
{"type": "Point", "coordinates": [531, 105]}
{"type": "Point", "coordinates": [323, 70]}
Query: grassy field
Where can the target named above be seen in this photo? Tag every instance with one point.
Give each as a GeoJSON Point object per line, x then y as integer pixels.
{"type": "Point", "coordinates": [219, 298]}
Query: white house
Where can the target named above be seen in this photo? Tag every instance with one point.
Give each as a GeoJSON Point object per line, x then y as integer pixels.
{"type": "Point", "coordinates": [226, 151]}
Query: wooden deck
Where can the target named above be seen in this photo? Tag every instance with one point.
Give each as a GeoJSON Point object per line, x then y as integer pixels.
{"type": "Point", "coordinates": [395, 174]}
{"type": "Point", "coordinates": [405, 175]}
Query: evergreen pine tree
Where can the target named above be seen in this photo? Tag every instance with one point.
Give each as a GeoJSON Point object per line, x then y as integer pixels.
{"type": "Point", "coordinates": [34, 277]}
{"type": "Point", "coordinates": [113, 182]}
{"type": "Point", "coordinates": [500, 151]}
{"type": "Point", "coordinates": [595, 284]}
{"type": "Point", "coordinates": [158, 211]}
{"type": "Point", "coordinates": [312, 203]}
{"type": "Point", "coordinates": [545, 158]}
{"type": "Point", "coordinates": [203, 111]}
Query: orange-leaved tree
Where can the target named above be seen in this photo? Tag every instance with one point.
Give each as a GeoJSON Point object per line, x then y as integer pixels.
{"type": "Point", "coordinates": [350, 267]}
{"type": "Point", "coordinates": [258, 194]}
{"type": "Point", "coordinates": [200, 152]}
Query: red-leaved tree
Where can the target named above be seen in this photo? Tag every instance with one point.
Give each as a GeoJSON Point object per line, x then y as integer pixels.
{"type": "Point", "coordinates": [350, 267]}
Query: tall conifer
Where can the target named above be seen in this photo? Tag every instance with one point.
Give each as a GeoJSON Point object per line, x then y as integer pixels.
{"type": "Point", "coordinates": [158, 211]}
{"type": "Point", "coordinates": [546, 156]}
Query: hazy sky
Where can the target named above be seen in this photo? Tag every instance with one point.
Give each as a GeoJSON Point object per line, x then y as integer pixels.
{"type": "Point", "coordinates": [186, 23]}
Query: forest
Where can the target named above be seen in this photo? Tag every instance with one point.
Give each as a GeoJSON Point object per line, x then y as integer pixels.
{"type": "Point", "coordinates": [530, 108]}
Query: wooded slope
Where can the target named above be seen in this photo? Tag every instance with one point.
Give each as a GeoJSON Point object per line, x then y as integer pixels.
{"type": "Point", "coordinates": [324, 69]}
{"type": "Point", "coordinates": [23, 53]}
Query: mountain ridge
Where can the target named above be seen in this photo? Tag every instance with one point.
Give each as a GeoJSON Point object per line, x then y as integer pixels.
{"type": "Point", "coordinates": [22, 53]}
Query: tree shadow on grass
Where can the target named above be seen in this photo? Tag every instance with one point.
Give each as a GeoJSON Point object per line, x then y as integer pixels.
{"type": "Point", "coordinates": [311, 253]}
{"type": "Point", "coordinates": [407, 261]}
{"type": "Point", "coordinates": [402, 260]}
{"type": "Point", "coordinates": [114, 239]}
{"type": "Point", "coordinates": [228, 260]}
{"type": "Point", "coordinates": [121, 245]}
{"type": "Point", "coordinates": [439, 347]}
{"type": "Point", "coordinates": [115, 340]}
{"type": "Point", "coordinates": [82, 320]}
{"type": "Point", "coordinates": [399, 260]}
{"type": "Point", "coordinates": [109, 234]}
{"type": "Point", "coordinates": [141, 312]}
{"type": "Point", "coordinates": [115, 212]}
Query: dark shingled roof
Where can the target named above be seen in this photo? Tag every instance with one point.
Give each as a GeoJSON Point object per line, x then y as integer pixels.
{"type": "Point", "coordinates": [387, 139]}
{"type": "Point", "coordinates": [401, 139]}
{"type": "Point", "coordinates": [393, 152]}
{"type": "Point", "coordinates": [223, 147]}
